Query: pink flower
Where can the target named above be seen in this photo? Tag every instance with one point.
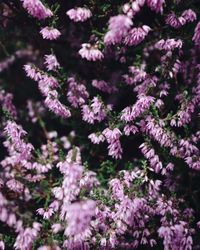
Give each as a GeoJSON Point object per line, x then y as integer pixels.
{"type": "Point", "coordinates": [18, 148]}
{"type": "Point", "coordinates": [15, 186]}
{"type": "Point", "coordinates": [91, 53]}
{"type": "Point", "coordinates": [112, 134]}
{"type": "Point", "coordinates": [96, 139]}
{"type": "Point", "coordinates": [169, 44]}
{"type": "Point", "coordinates": [117, 189]}
{"type": "Point", "coordinates": [58, 193]}
{"type": "Point", "coordinates": [54, 247]}
{"type": "Point", "coordinates": [134, 8]}
{"type": "Point", "coordinates": [104, 86]}
{"type": "Point", "coordinates": [176, 235]}
{"type": "Point", "coordinates": [189, 15]}
{"type": "Point", "coordinates": [46, 83]}
{"type": "Point", "coordinates": [79, 216]}
{"type": "Point", "coordinates": [72, 171]}
{"type": "Point", "coordinates": [6, 101]}
{"type": "Point", "coordinates": [79, 14]}
{"type": "Point", "coordinates": [40, 211]}
{"type": "Point", "coordinates": [137, 75]}
{"type": "Point", "coordinates": [89, 181]}
{"type": "Point", "coordinates": [156, 5]}
{"type": "Point", "coordinates": [66, 143]}
{"type": "Point", "coordinates": [4, 64]}
{"type": "Point", "coordinates": [48, 213]}
{"type": "Point", "coordinates": [37, 9]}
{"type": "Point", "coordinates": [25, 238]}
{"type": "Point", "coordinates": [157, 132]}
{"type": "Point", "coordinates": [143, 103]}
{"type": "Point", "coordinates": [94, 112]}
{"type": "Point", "coordinates": [72, 244]}
{"type": "Point", "coordinates": [50, 33]}
{"type": "Point", "coordinates": [32, 72]}
{"type": "Point", "coordinates": [114, 147]}
{"type": "Point", "coordinates": [54, 205]}
{"type": "Point", "coordinates": [51, 62]}
{"type": "Point", "coordinates": [137, 35]}
{"type": "Point", "coordinates": [196, 37]}
{"type": "Point", "coordinates": [174, 21]}
{"type": "Point", "coordinates": [56, 227]}
{"type": "Point", "coordinates": [128, 129]}
{"type": "Point", "coordinates": [2, 245]}
{"type": "Point", "coordinates": [45, 213]}
{"type": "Point", "coordinates": [77, 93]}
{"type": "Point", "coordinates": [55, 105]}
{"type": "Point", "coordinates": [149, 153]}
{"type": "Point", "coordinates": [118, 29]}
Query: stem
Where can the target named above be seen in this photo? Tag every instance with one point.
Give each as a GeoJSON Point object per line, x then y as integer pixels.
{"type": "Point", "coordinates": [4, 49]}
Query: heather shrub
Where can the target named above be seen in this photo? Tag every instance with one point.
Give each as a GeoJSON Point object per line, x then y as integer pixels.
{"type": "Point", "coordinates": [100, 124]}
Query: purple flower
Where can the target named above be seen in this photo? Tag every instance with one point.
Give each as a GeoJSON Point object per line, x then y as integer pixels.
{"type": "Point", "coordinates": [77, 93]}
{"type": "Point", "coordinates": [18, 148]}
{"type": "Point", "coordinates": [157, 131]}
{"type": "Point", "coordinates": [156, 5]}
{"type": "Point", "coordinates": [37, 9]}
{"type": "Point", "coordinates": [46, 83]}
{"type": "Point", "coordinates": [149, 153]}
{"type": "Point", "coordinates": [134, 8]}
{"type": "Point", "coordinates": [174, 21]}
{"type": "Point", "coordinates": [143, 103]}
{"type": "Point", "coordinates": [47, 214]}
{"type": "Point", "coordinates": [79, 216]}
{"type": "Point", "coordinates": [79, 14]}
{"type": "Point", "coordinates": [32, 72]}
{"type": "Point", "coordinates": [96, 139]}
{"type": "Point", "coordinates": [56, 227]}
{"type": "Point", "coordinates": [114, 147]}
{"type": "Point", "coordinates": [55, 105]}
{"type": "Point", "coordinates": [118, 29]}
{"type": "Point", "coordinates": [137, 75]}
{"type": "Point", "coordinates": [25, 238]}
{"type": "Point", "coordinates": [72, 170]}
{"type": "Point", "coordinates": [6, 100]}
{"type": "Point", "coordinates": [189, 15]}
{"type": "Point", "coordinates": [169, 44]}
{"type": "Point", "coordinates": [51, 62]}
{"type": "Point", "coordinates": [176, 236]}
{"type": "Point", "coordinates": [177, 22]}
{"type": "Point", "coordinates": [15, 186]}
{"type": "Point", "coordinates": [95, 112]}
{"type": "Point", "coordinates": [117, 189]}
{"type": "Point", "coordinates": [104, 86]}
{"type": "Point", "coordinates": [2, 245]}
{"type": "Point", "coordinates": [196, 37]}
{"type": "Point", "coordinates": [136, 35]}
{"type": "Point", "coordinates": [55, 247]}
{"type": "Point", "coordinates": [128, 129]}
{"type": "Point", "coordinates": [89, 181]}
{"type": "Point", "coordinates": [91, 53]}
{"type": "Point", "coordinates": [50, 33]}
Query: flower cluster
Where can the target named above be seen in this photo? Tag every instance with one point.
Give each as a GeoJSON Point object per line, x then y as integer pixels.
{"type": "Point", "coordinates": [118, 29]}
{"type": "Point", "coordinates": [79, 14]}
{"type": "Point", "coordinates": [177, 22]}
{"type": "Point", "coordinates": [137, 35]}
{"type": "Point", "coordinates": [50, 33]}
{"type": "Point", "coordinates": [91, 53]}
{"type": "Point", "coordinates": [100, 125]}
{"type": "Point", "coordinates": [37, 9]}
